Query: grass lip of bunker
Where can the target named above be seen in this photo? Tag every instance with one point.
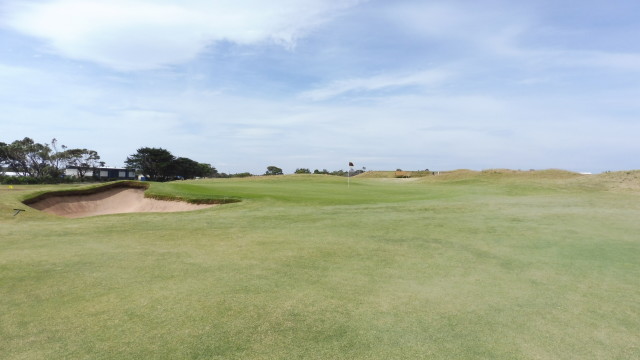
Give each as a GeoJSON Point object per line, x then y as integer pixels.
{"type": "Point", "coordinates": [113, 198]}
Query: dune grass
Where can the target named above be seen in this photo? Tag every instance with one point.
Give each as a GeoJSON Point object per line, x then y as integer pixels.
{"type": "Point", "coordinates": [480, 265]}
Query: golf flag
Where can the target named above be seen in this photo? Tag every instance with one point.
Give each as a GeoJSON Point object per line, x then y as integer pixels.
{"type": "Point", "coordinates": [350, 163]}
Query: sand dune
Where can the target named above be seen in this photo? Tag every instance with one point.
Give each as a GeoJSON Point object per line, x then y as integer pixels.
{"type": "Point", "coordinates": [112, 201]}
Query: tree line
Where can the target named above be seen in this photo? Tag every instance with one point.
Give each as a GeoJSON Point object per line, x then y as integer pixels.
{"type": "Point", "coordinates": [157, 164]}
{"type": "Point", "coordinates": [35, 162]}
{"type": "Point", "coordinates": [327, 172]}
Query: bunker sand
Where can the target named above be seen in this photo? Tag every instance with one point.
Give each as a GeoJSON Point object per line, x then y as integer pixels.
{"type": "Point", "coordinates": [112, 201]}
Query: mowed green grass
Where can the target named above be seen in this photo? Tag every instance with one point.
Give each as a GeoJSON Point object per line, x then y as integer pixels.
{"type": "Point", "coordinates": [465, 265]}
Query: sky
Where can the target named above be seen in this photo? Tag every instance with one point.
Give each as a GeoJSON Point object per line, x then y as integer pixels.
{"type": "Point", "coordinates": [403, 84]}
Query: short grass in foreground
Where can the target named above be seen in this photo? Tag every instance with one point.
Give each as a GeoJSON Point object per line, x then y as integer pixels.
{"type": "Point", "coordinates": [463, 266]}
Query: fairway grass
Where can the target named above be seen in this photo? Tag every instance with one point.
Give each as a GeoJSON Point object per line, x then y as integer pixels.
{"type": "Point", "coordinates": [464, 265]}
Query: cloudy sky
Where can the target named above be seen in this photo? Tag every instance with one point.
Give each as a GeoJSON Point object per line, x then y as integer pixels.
{"type": "Point", "coordinates": [411, 84]}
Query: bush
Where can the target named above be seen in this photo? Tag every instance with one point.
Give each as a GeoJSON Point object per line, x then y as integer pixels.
{"type": "Point", "coordinates": [273, 170]}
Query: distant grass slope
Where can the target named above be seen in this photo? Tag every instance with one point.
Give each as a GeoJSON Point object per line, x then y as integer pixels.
{"type": "Point", "coordinates": [467, 265]}
{"type": "Point", "coordinates": [465, 173]}
{"type": "Point", "coordinates": [391, 174]}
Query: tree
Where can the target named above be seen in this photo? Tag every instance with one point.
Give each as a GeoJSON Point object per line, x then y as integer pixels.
{"type": "Point", "coordinates": [302, 171]}
{"type": "Point", "coordinates": [206, 170]}
{"type": "Point", "coordinates": [57, 158]}
{"type": "Point", "coordinates": [154, 163]}
{"type": "Point", "coordinates": [185, 168]}
{"type": "Point", "coordinates": [273, 170]}
{"type": "Point", "coordinates": [160, 165]}
{"type": "Point", "coordinates": [83, 160]}
{"type": "Point", "coordinates": [45, 162]}
{"type": "Point", "coordinates": [4, 160]}
{"type": "Point", "coordinates": [29, 158]}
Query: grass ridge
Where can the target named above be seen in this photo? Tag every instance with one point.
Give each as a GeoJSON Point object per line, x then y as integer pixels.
{"type": "Point", "coordinates": [90, 190]}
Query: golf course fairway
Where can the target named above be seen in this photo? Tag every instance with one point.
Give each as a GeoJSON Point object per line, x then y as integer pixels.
{"type": "Point", "coordinates": [463, 265]}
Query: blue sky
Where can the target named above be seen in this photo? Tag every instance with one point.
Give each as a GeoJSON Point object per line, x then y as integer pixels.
{"type": "Point", "coordinates": [315, 83]}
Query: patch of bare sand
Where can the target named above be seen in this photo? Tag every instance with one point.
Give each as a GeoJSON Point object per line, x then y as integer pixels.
{"type": "Point", "coordinates": [112, 201]}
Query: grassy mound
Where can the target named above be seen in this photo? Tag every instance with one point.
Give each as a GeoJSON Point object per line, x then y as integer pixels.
{"type": "Point", "coordinates": [391, 174]}
{"type": "Point", "coordinates": [94, 189]}
{"type": "Point", "coordinates": [159, 191]}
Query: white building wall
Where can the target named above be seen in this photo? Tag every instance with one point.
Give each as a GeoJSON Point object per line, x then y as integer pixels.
{"type": "Point", "coordinates": [71, 172]}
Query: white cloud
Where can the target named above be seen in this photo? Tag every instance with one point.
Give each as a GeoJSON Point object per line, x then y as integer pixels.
{"type": "Point", "coordinates": [502, 31]}
{"type": "Point", "coordinates": [462, 21]}
{"type": "Point", "coordinates": [145, 34]}
{"type": "Point", "coordinates": [408, 131]}
{"type": "Point", "coordinates": [380, 82]}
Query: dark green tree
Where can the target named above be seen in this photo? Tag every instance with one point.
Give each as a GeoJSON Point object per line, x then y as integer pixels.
{"type": "Point", "coordinates": [4, 160]}
{"type": "Point", "coordinates": [302, 171]}
{"type": "Point", "coordinates": [186, 168]}
{"type": "Point", "coordinates": [154, 163]}
{"type": "Point", "coordinates": [273, 170]}
{"type": "Point", "coordinates": [206, 170]}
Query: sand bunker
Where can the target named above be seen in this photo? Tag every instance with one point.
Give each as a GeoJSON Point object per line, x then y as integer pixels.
{"type": "Point", "coordinates": [111, 201]}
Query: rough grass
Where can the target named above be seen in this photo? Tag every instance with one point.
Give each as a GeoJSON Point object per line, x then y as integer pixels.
{"type": "Point", "coordinates": [481, 265]}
